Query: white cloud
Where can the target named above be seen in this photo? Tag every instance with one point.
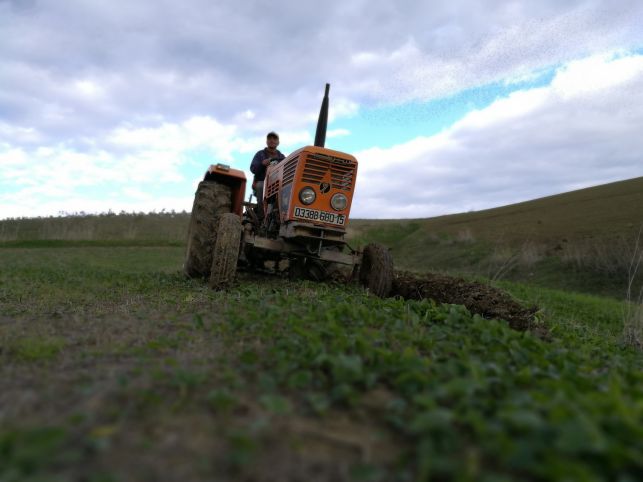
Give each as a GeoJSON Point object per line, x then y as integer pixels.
{"type": "Point", "coordinates": [589, 75]}
{"type": "Point", "coordinates": [26, 206]}
{"type": "Point", "coordinates": [136, 161]}
{"type": "Point", "coordinates": [337, 133]}
{"type": "Point", "coordinates": [70, 68]}
{"type": "Point", "coordinates": [136, 194]}
{"type": "Point", "coordinates": [195, 132]}
{"type": "Point", "coordinates": [12, 157]}
{"type": "Point", "coordinates": [17, 135]}
{"type": "Point", "coordinates": [530, 144]}
{"type": "Point", "coordinates": [88, 88]}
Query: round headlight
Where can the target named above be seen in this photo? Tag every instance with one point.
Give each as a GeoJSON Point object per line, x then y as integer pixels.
{"type": "Point", "coordinates": [307, 195]}
{"type": "Point", "coordinates": [338, 202]}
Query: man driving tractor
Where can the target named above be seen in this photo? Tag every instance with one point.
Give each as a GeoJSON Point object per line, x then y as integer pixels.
{"type": "Point", "coordinates": [260, 162]}
{"type": "Point", "coordinates": [308, 200]}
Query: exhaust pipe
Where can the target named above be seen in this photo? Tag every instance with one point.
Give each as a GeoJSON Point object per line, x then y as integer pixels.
{"type": "Point", "coordinates": [322, 122]}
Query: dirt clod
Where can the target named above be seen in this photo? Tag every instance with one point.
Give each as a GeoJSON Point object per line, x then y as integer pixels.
{"type": "Point", "coordinates": [479, 298]}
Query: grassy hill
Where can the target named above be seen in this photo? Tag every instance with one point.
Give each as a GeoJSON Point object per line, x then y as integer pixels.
{"type": "Point", "coordinates": [595, 212]}
{"type": "Point", "coordinates": [581, 240]}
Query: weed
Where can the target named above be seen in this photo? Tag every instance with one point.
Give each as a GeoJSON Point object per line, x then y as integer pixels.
{"type": "Point", "coordinates": [633, 316]}
{"type": "Point", "coordinates": [33, 349]}
{"type": "Point", "coordinates": [35, 453]}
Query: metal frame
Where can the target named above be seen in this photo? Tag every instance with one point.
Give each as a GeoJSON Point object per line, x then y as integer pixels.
{"type": "Point", "coordinates": [283, 246]}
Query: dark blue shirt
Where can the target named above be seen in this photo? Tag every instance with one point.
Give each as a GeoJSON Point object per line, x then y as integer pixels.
{"type": "Point", "coordinates": [257, 167]}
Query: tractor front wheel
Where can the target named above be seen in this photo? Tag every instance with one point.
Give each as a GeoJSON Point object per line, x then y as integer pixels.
{"type": "Point", "coordinates": [210, 201]}
{"type": "Point", "coordinates": [376, 270]}
{"type": "Point", "coordinates": [226, 251]}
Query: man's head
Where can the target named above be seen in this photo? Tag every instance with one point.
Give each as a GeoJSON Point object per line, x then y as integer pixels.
{"type": "Point", "coordinates": [272, 140]}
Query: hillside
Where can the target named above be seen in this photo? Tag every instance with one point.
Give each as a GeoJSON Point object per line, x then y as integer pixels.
{"type": "Point", "coordinates": [581, 240]}
{"type": "Point", "coordinates": [595, 212]}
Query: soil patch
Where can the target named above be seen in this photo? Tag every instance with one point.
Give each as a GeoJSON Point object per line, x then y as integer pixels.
{"type": "Point", "coordinates": [479, 298]}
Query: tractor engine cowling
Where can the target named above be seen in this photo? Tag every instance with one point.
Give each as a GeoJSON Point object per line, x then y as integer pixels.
{"type": "Point", "coordinates": [313, 185]}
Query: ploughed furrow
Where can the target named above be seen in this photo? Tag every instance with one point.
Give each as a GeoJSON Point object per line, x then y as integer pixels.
{"type": "Point", "coordinates": [479, 298]}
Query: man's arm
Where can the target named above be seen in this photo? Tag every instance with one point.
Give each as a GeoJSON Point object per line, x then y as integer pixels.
{"type": "Point", "coordinates": [255, 165]}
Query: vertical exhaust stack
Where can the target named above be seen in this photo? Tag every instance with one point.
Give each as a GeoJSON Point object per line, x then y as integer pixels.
{"type": "Point", "coordinates": [322, 122]}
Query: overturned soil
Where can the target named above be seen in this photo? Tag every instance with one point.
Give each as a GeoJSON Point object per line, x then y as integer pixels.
{"type": "Point", "coordinates": [479, 298]}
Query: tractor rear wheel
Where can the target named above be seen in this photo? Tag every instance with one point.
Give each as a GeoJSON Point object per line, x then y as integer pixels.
{"type": "Point", "coordinates": [376, 270]}
{"type": "Point", "coordinates": [225, 253]}
{"type": "Point", "coordinates": [210, 201]}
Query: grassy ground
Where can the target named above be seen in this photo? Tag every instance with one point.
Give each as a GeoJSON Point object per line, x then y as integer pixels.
{"type": "Point", "coordinates": [115, 367]}
{"type": "Point", "coordinates": [129, 227]}
{"type": "Point", "coordinates": [600, 267]}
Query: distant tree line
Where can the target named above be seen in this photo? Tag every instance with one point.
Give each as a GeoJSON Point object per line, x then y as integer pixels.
{"type": "Point", "coordinates": [163, 226]}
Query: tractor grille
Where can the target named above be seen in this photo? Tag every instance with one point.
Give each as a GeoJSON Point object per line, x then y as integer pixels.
{"type": "Point", "coordinates": [289, 170]}
{"type": "Point", "coordinates": [341, 171]}
{"type": "Point", "coordinates": [272, 189]}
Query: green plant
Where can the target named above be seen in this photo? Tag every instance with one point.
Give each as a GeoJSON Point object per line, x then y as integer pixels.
{"type": "Point", "coordinates": [36, 348]}
{"type": "Point", "coordinates": [633, 315]}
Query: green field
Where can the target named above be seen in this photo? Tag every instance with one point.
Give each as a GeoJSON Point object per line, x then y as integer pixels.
{"type": "Point", "coordinates": [115, 367]}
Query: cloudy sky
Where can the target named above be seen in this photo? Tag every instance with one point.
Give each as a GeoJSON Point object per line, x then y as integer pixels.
{"type": "Point", "coordinates": [449, 105]}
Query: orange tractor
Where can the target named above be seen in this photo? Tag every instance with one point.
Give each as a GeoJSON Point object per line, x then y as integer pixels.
{"type": "Point", "coordinates": [307, 200]}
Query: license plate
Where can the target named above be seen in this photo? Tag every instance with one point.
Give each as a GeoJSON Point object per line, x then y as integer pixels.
{"type": "Point", "coordinates": [320, 216]}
